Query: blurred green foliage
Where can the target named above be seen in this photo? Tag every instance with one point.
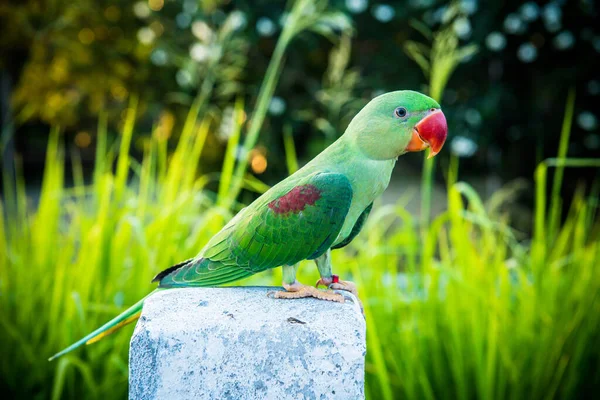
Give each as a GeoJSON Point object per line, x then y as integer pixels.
{"type": "Point", "coordinates": [68, 61]}
{"type": "Point", "coordinates": [72, 59]}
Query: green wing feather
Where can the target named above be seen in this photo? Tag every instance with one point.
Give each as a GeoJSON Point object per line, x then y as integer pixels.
{"type": "Point", "coordinates": [258, 238]}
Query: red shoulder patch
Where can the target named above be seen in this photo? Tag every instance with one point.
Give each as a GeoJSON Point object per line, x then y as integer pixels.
{"type": "Point", "coordinates": [296, 200]}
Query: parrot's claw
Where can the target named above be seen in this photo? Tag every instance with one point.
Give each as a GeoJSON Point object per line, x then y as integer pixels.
{"type": "Point", "coordinates": [334, 283]}
{"type": "Point", "coordinates": [298, 291]}
{"type": "Point", "coordinates": [344, 285]}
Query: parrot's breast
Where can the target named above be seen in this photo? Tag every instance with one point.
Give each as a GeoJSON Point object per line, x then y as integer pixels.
{"type": "Point", "coordinates": [369, 179]}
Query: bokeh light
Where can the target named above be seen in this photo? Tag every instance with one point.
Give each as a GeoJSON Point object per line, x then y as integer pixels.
{"type": "Point", "coordinates": [276, 106]}
{"type": "Point", "coordinates": [159, 57]}
{"type": "Point", "coordinates": [86, 36]}
{"type": "Point", "coordinates": [469, 7]}
{"type": "Point", "coordinates": [530, 11]}
{"type": "Point", "coordinates": [265, 27]}
{"type": "Point", "coordinates": [495, 41]}
{"type": "Point", "coordinates": [513, 24]}
{"type": "Point", "coordinates": [238, 20]}
{"type": "Point", "coordinates": [552, 15]}
{"type": "Point", "coordinates": [202, 31]}
{"type": "Point", "coordinates": [183, 78]}
{"type": "Point", "coordinates": [564, 40]}
{"type": "Point", "coordinates": [463, 146]}
{"type": "Point", "coordinates": [156, 5]}
{"type": "Point", "coordinates": [357, 6]}
{"type": "Point", "coordinates": [462, 27]}
{"type": "Point", "coordinates": [527, 52]}
{"type": "Point", "coordinates": [141, 10]}
{"type": "Point", "coordinates": [199, 52]}
{"type": "Point", "coordinates": [183, 20]}
{"type": "Point", "coordinates": [587, 121]}
{"type": "Point", "coordinates": [383, 12]}
{"type": "Point", "coordinates": [83, 139]}
{"type": "Point", "coordinates": [146, 35]}
{"type": "Point", "coordinates": [258, 161]}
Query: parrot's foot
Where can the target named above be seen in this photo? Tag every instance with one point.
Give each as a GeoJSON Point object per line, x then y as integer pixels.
{"type": "Point", "coordinates": [334, 283]}
{"type": "Point", "coordinates": [297, 291]}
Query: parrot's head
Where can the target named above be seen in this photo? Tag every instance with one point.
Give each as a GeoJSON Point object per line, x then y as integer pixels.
{"type": "Point", "coordinates": [398, 122]}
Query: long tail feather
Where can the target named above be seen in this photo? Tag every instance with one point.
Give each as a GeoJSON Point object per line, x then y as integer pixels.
{"type": "Point", "coordinates": [115, 328]}
{"type": "Point", "coordinates": [126, 317]}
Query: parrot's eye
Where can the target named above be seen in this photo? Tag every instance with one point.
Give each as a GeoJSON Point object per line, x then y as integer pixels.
{"type": "Point", "coordinates": [400, 112]}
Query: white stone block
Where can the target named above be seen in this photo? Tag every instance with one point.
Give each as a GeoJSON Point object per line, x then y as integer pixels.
{"type": "Point", "coordinates": [237, 343]}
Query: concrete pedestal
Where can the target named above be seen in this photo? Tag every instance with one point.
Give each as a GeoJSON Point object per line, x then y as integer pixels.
{"type": "Point", "coordinates": [237, 343]}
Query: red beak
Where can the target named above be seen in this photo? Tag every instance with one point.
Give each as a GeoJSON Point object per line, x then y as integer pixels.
{"type": "Point", "coordinates": [430, 132]}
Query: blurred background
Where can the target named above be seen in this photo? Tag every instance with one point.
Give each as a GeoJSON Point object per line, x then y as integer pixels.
{"type": "Point", "coordinates": [64, 63]}
{"type": "Point", "coordinates": [134, 114]}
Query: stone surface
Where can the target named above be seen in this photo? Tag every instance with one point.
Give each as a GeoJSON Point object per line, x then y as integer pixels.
{"type": "Point", "coordinates": [237, 343]}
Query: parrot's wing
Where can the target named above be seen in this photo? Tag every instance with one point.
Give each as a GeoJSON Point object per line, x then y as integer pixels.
{"type": "Point", "coordinates": [282, 228]}
{"type": "Point", "coordinates": [360, 222]}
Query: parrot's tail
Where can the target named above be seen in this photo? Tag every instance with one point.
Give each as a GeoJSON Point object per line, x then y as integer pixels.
{"type": "Point", "coordinates": [126, 317]}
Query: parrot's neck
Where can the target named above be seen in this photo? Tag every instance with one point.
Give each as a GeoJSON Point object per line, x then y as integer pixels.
{"type": "Point", "coordinates": [369, 177]}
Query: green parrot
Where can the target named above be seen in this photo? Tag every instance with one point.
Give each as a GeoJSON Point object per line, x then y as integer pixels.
{"type": "Point", "coordinates": [320, 207]}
